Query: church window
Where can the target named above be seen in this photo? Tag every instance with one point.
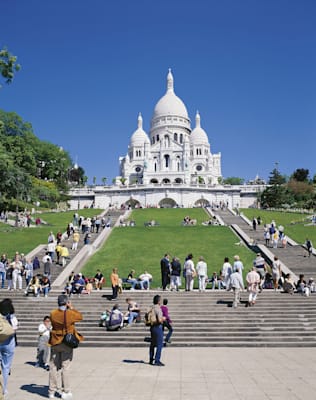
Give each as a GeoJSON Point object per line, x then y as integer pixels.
{"type": "Point", "coordinates": [199, 167]}
{"type": "Point", "coordinates": [138, 169]}
{"type": "Point", "coordinates": [175, 136]}
{"type": "Point", "coordinates": [167, 141]}
{"type": "Point", "coordinates": [157, 138]}
{"type": "Point", "coordinates": [167, 160]}
{"type": "Point", "coordinates": [181, 138]}
{"type": "Point", "coordinates": [153, 140]}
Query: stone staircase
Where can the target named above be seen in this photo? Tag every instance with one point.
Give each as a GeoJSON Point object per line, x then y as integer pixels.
{"type": "Point", "coordinates": [199, 319]}
{"type": "Point", "coordinates": [292, 256]}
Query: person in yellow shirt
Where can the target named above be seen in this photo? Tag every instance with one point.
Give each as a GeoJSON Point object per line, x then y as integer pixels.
{"type": "Point", "coordinates": [58, 252]}
{"type": "Point", "coordinates": [75, 240]}
{"type": "Point", "coordinates": [115, 283]}
{"type": "Point", "coordinates": [64, 254]}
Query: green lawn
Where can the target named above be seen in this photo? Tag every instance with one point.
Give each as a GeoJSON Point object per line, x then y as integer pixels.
{"type": "Point", "coordinates": [26, 239]}
{"type": "Point", "coordinates": [141, 248]}
{"type": "Point", "coordinates": [294, 223]}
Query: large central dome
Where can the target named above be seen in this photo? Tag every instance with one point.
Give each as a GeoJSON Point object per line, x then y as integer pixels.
{"type": "Point", "coordinates": [170, 103]}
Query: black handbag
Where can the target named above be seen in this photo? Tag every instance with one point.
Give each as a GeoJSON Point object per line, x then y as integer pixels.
{"type": "Point", "coordinates": [70, 339]}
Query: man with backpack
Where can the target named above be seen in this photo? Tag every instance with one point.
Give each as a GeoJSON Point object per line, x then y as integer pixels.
{"type": "Point", "coordinates": [156, 320]}
{"type": "Point", "coordinates": [116, 320]}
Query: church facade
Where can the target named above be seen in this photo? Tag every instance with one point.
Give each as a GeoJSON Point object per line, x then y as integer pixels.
{"type": "Point", "coordinates": [171, 166]}
{"type": "Point", "coordinates": [173, 152]}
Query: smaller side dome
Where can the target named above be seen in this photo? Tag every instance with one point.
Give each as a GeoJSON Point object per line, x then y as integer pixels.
{"type": "Point", "coordinates": [198, 135]}
{"type": "Point", "coordinates": [139, 137]}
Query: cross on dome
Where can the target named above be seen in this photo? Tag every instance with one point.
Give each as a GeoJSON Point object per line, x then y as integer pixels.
{"type": "Point", "coordinates": [170, 81]}
{"type": "Point", "coordinates": [140, 121]}
{"type": "Point", "coordinates": [197, 120]}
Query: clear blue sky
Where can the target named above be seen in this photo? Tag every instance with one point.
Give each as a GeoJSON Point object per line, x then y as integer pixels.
{"type": "Point", "coordinates": [89, 68]}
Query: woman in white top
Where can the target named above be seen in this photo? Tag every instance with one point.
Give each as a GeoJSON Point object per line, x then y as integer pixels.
{"type": "Point", "coordinates": [276, 272]}
{"type": "Point", "coordinates": [201, 269]}
{"type": "Point", "coordinates": [189, 271]}
{"type": "Point", "coordinates": [227, 270]}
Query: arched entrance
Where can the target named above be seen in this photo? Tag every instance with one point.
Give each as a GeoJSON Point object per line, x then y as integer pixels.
{"type": "Point", "coordinates": [166, 180]}
{"type": "Point", "coordinates": [178, 180]}
{"type": "Point", "coordinates": [202, 203]}
{"type": "Point", "coordinates": [153, 181]}
{"type": "Point", "coordinates": [133, 203]}
{"type": "Point", "coordinates": [167, 203]}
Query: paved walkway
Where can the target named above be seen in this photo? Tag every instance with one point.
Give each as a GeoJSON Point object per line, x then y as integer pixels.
{"type": "Point", "coordinates": [201, 373]}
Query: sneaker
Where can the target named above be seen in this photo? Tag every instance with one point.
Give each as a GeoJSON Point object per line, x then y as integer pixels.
{"type": "Point", "coordinates": [51, 396]}
{"type": "Point", "coordinates": [66, 396]}
{"type": "Point", "coordinates": [159, 364]}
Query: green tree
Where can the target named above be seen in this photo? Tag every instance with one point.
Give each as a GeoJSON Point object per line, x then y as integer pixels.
{"type": "Point", "coordinates": [23, 155]}
{"type": "Point", "coordinates": [76, 175]}
{"type": "Point", "coordinates": [104, 179]}
{"type": "Point", "coordinates": [300, 175]}
{"type": "Point", "coordinates": [8, 65]}
{"type": "Point", "coordinates": [233, 180]}
{"type": "Point", "coordinates": [275, 196]}
{"type": "Point", "coordinates": [276, 178]}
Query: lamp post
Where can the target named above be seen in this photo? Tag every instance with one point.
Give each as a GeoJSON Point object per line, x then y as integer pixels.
{"type": "Point", "coordinates": [76, 167]}
{"type": "Point", "coordinates": [17, 188]}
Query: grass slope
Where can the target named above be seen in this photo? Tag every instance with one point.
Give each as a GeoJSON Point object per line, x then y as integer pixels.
{"type": "Point", "coordinates": [141, 248]}
{"type": "Point", "coordinates": [24, 240]}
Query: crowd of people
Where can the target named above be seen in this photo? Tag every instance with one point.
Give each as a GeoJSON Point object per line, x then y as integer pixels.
{"type": "Point", "coordinates": [261, 276]}
{"type": "Point", "coordinates": [33, 275]}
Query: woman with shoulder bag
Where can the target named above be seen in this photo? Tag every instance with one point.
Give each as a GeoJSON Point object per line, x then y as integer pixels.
{"type": "Point", "coordinates": [63, 322]}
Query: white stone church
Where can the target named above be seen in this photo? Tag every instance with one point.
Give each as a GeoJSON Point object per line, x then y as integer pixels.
{"type": "Point", "coordinates": [172, 152]}
{"type": "Point", "coordinates": [172, 166]}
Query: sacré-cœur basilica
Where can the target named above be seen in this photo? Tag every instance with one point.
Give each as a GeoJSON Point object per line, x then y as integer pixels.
{"type": "Point", "coordinates": [171, 166]}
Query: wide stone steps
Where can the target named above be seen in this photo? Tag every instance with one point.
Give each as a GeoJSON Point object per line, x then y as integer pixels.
{"type": "Point", "coordinates": [199, 319]}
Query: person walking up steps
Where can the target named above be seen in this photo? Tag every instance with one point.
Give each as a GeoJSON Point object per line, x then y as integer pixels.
{"type": "Point", "coordinates": [167, 323]}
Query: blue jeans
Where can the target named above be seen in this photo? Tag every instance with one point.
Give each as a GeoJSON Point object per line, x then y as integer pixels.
{"type": "Point", "coordinates": [45, 291]}
{"type": "Point", "coordinates": [2, 275]}
{"type": "Point", "coordinates": [6, 356]}
{"type": "Point", "coordinates": [131, 316]}
{"type": "Point", "coordinates": [167, 325]}
{"type": "Point", "coordinates": [156, 332]}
